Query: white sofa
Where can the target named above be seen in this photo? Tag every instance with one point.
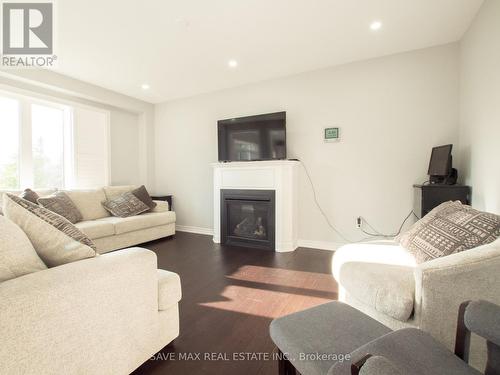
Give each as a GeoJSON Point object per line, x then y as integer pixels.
{"type": "Point", "coordinates": [383, 281]}
{"type": "Point", "coordinates": [103, 315]}
{"type": "Point", "coordinates": [112, 233]}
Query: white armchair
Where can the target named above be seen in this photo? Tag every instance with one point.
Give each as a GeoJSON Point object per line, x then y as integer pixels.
{"type": "Point", "coordinates": [383, 281]}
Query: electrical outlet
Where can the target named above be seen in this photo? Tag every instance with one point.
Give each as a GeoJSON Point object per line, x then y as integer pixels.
{"type": "Point", "coordinates": [358, 222]}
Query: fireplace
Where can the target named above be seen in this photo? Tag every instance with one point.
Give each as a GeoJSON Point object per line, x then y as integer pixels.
{"type": "Point", "coordinates": [270, 186]}
{"type": "Point", "coordinates": [248, 218]}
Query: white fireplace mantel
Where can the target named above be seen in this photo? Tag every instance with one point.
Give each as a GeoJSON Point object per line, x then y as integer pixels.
{"type": "Point", "coordinates": [277, 175]}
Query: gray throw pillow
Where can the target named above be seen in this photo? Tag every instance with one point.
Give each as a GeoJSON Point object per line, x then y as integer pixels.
{"type": "Point", "coordinates": [62, 205]}
{"type": "Point", "coordinates": [142, 194]}
{"type": "Point", "coordinates": [54, 238]}
{"type": "Point", "coordinates": [125, 205]}
{"type": "Point", "coordinates": [450, 228]}
{"type": "Point", "coordinates": [29, 195]}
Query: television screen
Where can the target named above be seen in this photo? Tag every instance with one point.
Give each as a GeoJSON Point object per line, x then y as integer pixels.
{"type": "Point", "coordinates": [440, 163]}
{"type": "Point", "coordinates": [261, 137]}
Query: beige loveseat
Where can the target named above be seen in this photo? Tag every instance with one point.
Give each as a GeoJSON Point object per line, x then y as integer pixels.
{"type": "Point", "coordinates": [384, 281]}
{"type": "Point", "coordinates": [111, 233]}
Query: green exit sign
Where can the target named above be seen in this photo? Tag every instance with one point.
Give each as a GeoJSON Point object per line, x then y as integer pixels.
{"type": "Point", "coordinates": [332, 134]}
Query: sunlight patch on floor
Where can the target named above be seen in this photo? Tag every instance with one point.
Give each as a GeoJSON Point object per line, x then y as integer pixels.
{"type": "Point", "coordinates": [261, 302]}
{"type": "Point", "coordinates": [283, 277]}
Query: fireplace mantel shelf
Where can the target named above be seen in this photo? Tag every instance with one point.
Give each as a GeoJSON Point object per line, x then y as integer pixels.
{"type": "Point", "coordinates": [254, 164]}
{"type": "Point", "coordinates": [277, 175]}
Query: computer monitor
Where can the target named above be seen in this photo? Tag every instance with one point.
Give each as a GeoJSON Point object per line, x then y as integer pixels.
{"type": "Point", "coordinates": [440, 163]}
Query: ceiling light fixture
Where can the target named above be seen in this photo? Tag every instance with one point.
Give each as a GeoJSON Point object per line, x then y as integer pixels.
{"type": "Point", "coordinates": [232, 63]}
{"type": "Point", "coordinates": [145, 86]}
{"type": "Point", "coordinates": [376, 25]}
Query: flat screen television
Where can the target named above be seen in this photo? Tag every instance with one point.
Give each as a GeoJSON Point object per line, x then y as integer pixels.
{"type": "Point", "coordinates": [261, 137]}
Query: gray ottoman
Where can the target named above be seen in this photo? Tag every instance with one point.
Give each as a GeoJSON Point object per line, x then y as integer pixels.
{"type": "Point", "coordinates": [316, 339]}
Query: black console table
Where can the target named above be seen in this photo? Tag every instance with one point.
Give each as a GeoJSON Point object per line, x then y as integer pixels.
{"type": "Point", "coordinates": [429, 196]}
{"type": "Point", "coordinates": [165, 198]}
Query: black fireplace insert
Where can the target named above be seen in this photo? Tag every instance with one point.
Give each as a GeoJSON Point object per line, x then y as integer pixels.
{"type": "Point", "coordinates": [248, 218]}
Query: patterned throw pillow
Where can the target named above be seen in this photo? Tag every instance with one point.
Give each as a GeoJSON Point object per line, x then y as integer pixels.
{"type": "Point", "coordinates": [54, 238]}
{"type": "Point", "coordinates": [142, 194]}
{"type": "Point", "coordinates": [450, 228]}
{"type": "Point", "coordinates": [125, 205]}
{"type": "Point", "coordinates": [61, 204]}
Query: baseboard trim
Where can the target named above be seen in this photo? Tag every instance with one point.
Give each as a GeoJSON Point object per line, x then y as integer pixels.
{"type": "Point", "coordinates": [197, 230]}
{"type": "Point", "coordinates": [322, 245]}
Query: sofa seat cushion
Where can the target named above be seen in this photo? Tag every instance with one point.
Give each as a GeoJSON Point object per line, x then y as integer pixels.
{"type": "Point", "coordinates": [143, 221]}
{"type": "Point", "coordinates": [169, 289]}
{"type": "Point", "coordinates": [99, 228]}
{"type": "Point", "coordinates": [389, 289]}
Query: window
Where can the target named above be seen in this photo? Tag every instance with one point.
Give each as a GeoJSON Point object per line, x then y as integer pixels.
{"type": "Point", "coordinates": [47, 134]}
{"type": "Point", "coordinates": [45, 145]}
{"type": "Point", "coordinates": [9, 143]}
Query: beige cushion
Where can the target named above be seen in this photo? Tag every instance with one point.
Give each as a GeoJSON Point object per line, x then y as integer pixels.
{"type": "Point", "coordinates": [390, 289]}
{"type": "Point", "coordinates": [17, 255]}
{"type": "Point", "coordinates": [147, 220]}
{"type": "Point", "coordinates": [89, 203]}
{"type": "Point", "coordinates": [115, 191]}
{"type": "Point", "coordinates": [99, 228]}
{"type": "Point", "coordinates": [169, 289]}
{"type": "Point", "coordinates": [54, 238]}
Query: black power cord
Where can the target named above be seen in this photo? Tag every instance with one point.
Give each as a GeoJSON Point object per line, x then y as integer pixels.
{"type": "Point", "coordinates": [319, 206]}
{"type": "Point", "coordinates": [377, 234]}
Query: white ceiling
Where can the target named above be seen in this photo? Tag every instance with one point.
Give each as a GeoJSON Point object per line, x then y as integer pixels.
{"type": "Point", "coordinates": [182, 48]}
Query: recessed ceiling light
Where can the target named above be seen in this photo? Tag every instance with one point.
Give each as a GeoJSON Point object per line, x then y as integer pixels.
{"type": "Point", "coordinates": [145, 86]}
{"type": "Point", "coordinates": [232, 63]}
{"type": "Point", "coordinates": [376, 25]}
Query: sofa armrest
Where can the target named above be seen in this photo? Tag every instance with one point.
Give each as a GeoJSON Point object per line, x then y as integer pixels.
{"type": "Point", "coordinates": [443, 284]}
{"type": "Point", "coordinates": [59, 319]}
{"type": "Point", "coordinates": [161, 206]}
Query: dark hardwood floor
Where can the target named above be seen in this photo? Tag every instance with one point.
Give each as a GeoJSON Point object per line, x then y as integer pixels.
{"type": "Point", "coordinates": [230, 295]}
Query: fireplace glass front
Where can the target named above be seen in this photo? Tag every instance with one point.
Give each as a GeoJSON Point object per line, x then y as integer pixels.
{"type": "Point", "coordinates": [248, 218]}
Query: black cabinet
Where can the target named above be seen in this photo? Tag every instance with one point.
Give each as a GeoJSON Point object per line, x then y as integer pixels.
{"type": "Point", "coordinates": [429, 196]}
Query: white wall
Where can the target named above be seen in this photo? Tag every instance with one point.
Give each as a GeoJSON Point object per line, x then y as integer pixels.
{"type": "Point", "coordinates": [125, 158]}
{"type": "Point", "coordinates": [480, 107]}
{"type": "Point", "coordinates": [391, 111]}
{"type": "Point", "coordinates": [131, 154]}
